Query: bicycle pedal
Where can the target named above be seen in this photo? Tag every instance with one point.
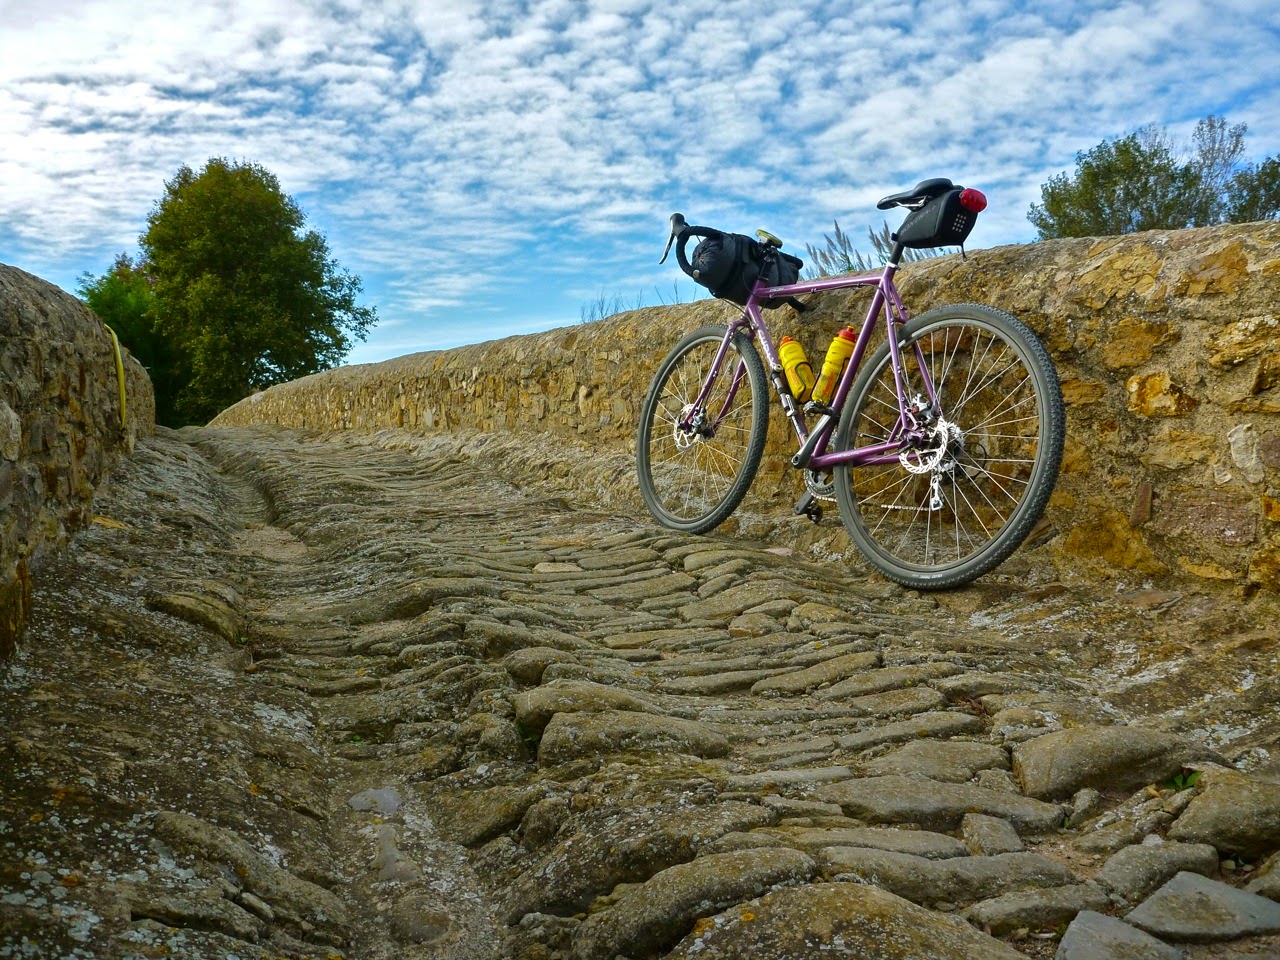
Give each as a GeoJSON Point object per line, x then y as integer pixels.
{"type": "Point", "coordinates": [821, 409]}
{"type": "Point", "coordinates": [808, 506]}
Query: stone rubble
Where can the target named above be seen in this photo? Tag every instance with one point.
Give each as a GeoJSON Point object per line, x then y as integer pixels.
{"type": "Point", "coordinates": [321, 696]}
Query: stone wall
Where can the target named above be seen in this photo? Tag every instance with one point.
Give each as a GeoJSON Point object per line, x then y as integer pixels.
{"type": "Point", "coordinates": [59, 427]}
{"type": "Point", "coordinates": [1168, 344]}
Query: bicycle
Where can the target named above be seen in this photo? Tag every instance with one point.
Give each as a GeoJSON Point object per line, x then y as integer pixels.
{"type": "Point", "coordinates": [941, 450]}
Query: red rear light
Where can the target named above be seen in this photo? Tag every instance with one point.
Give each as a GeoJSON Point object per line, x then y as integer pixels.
{"type": "Point", "coordinates": [973, 200]}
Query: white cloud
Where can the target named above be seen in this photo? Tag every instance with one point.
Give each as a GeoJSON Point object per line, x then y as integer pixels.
{"type": "Point", "coordinates": [460, 153]}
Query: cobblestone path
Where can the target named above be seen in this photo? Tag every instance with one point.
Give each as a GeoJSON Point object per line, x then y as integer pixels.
{"type": "Point", "coordinates": [294, 696]}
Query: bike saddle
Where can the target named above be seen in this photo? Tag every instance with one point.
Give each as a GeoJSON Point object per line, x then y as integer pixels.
{"type": "Point", "coordinates": [922, 191]}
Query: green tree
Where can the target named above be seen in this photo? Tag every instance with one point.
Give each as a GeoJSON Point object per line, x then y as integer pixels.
{"type": "Point", "coordinates": [1255, 193]}
{"type": "Point", "coordinates": [123, 298]}
{"type": "Point", "coordinates": [245, 295]}
{"type": "Point", "coordinates": [1147, 181]}
{"type": "Point", "coordinates": [1218, 151]}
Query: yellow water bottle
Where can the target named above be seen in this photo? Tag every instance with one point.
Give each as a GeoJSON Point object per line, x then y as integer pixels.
{"type": "Point", "coordinates": [796, 366]}
{"type": "Point", "coordinates": [838, 355]}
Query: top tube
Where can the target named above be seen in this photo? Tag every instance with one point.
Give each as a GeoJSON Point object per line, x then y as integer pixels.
{"type": "Point", "coordinates": [829, 283]}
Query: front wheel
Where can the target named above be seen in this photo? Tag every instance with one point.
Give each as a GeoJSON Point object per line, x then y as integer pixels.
{"type": "Point", "coordinates": [959, 499]}
{"type": "Point", "coordinates": [696, 463]}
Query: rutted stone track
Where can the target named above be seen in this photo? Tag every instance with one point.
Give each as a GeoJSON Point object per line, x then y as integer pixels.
{"type": "Point", "coordinates": [297, 696]}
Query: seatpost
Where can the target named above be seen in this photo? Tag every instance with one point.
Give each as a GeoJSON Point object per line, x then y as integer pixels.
{"type": "Point", "coordinates": [895, 256]}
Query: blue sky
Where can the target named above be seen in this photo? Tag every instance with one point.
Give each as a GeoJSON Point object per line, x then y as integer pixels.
{"type": "Point", "coordinates": [489, 166]}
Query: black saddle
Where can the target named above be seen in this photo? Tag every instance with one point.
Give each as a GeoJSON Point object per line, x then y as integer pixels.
{"type": "Point", "coordinates": [923, 191]}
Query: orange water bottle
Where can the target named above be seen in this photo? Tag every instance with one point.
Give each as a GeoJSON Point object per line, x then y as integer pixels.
{"type": "Point", "coordinates": [838, 355]}
{"type": "Point", "coordinates": [796, 366]}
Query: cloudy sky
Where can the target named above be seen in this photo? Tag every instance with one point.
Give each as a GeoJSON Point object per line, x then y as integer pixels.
{"type": "Point", "coordinates": [490, 166]}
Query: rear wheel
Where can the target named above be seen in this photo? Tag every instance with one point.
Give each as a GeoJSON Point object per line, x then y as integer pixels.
{"type": "Point", "coordinates": [959, 502]}
{"type": "Point", "coordinates": [692, 478]}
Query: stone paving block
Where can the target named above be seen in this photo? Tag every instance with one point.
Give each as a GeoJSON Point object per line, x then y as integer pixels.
{"type": "Point", "coordinates": [989, 836]}
{"type": "Point", "coordinates": [1234, 812]}
{"type": "Point", "coordinates": [664, 586]}
{"type": "Point", "coordinates": [969, 686]}
{"type": "Point", "coordinates": [817, 651]}
{"type": "Point", "coordinates": [788, 748]}
{"type": "Point", "coordinates": [526, 666]}
{"type": "Point", "coordinates": [753, 625]}
{"type": "Point", "coordinates": [1136, 872]}
{"type": "Point", "coordinates": [802, 922]}
{"type": "Point", "coordinates": [1266, 882]}
{"type": "Point", "coordinates": [772, 780]}
{"type": "Point", "coordinates": [701, 664]}
{"type": "Point", "coordinates": [740, 599]}
{"type": "Point", "coordinates": [211, 911]}
{"type": "Point", "coordinates": [649, 918]}
{"type": "Point", "coordinates": [895, 702]}
{"type": "Point", "coordinates": [644, 638]}
{"type": "Point", "coordinates": [1033, 909]}
{"type": "Point", "coordinates": [950, 761]}
{"type": "Point", "coordinates": [717, 585]}
{"type": "Point", "coordinates": [1041, 711]}
{"type": "Point", "coordinates": [1194, 909]}
{"type": "Point", "coordinates": [938, 725]}
{"type": "Point", "coordinates": [956, 879]}
{"type": "Point", "coordinates": [792, 811]}
{"type": "Point", "coordinates": [1096, 936]}
{"type": "Point", "coordinates": [535, 708]}
{"type": "Point", "coordinates": [716, 683]}
{"type": "Point", "coordinates": [828, 671]}
{"type": "Point", "coordinates": [571, 735]}
{"type": "Point", "coordinates": [291, 895]}
{"type": "Point", "coordinates": [705, 559]}
{"type": "Point", "coordinates": [611, 559]}
{"type": "Point", "coordinates": [919, 843]}
{"type": "Point", "coordinates": [623, 846]}
{"type": "Point", "coordinates": [773, 608]}
{"type": "Point", "coordinates": [737, 568]}
{"type": "Point", "coordinates": [908, 800]}
{"type": "Point", "coordinates": [1056, 765]}
{"type": "Point", "coordinates": [888, 678]}
{"type": "Point", "coordinates": [739, 840]}
{"type": "Point", "coordinates": [620, 674]}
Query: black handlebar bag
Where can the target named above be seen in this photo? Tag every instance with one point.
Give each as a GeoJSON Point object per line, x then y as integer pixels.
{"type": "Point", "coordinates": [730, 265]}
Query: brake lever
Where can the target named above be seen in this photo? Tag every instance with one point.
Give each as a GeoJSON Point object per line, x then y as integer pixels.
{"type": "Point", "coordinates": [678, 224]}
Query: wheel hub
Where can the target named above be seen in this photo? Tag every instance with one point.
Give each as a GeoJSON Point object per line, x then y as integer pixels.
{"type": "Point", "coordinates": [943, 443]}
{"type": "Point", "coordinates": [697, 431]}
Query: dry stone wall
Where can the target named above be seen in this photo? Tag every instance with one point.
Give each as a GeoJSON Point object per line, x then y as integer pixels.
{"type": "Point", "coordinates": [60, 427]}
{"type": "Point", "coordinates": [1168, 345]}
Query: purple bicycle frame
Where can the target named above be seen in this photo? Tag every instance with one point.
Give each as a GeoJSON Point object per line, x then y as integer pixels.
{"type": "Point", "coordinates": [812, 454]}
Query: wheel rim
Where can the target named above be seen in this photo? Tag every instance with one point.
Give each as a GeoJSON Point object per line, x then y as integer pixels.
{"type": "Point", "coordinates": [946, 502]}
{"type": "Point", "coordinates": [691, 473]}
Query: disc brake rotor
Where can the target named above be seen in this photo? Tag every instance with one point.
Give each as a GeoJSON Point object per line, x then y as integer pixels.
{"type": "Point", "coordinates": [684, 439]}
{"type": "Point", "coordinates": [944, 438]}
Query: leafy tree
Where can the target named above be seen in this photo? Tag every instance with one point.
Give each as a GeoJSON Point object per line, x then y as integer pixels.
{"type": "Point", "coordinates": [123, 298]}
{"type": "Point", "coordinates": [1255, 193]}
{"type": "Point", "coordinates": [1218, 149]}
{"type": "Point", "coordinates": [838, 255]}
{"type": "Point", "coordinates": [245, 297]}
{"type": "Point", "coordinates": [1147, 181]}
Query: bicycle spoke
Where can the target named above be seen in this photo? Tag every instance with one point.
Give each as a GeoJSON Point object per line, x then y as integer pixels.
{"type": "Point", "coordinates": [692, 479]}
{"type": "Point", "coordinates": [977, 479]}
